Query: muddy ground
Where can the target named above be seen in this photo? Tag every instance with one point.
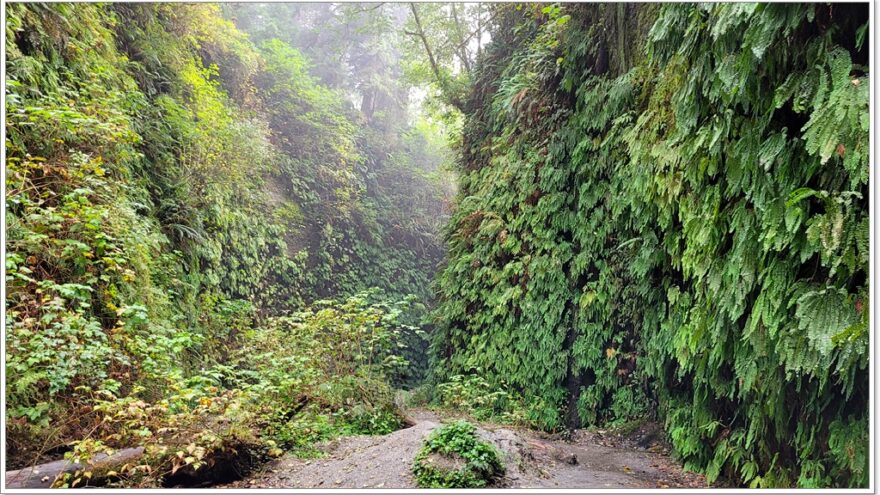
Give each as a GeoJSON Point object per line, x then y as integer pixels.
{"type": "Point", "coordinates": [532, 460]}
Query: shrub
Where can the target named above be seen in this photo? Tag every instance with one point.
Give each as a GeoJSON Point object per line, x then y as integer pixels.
{"type": "Point", "coordinates": [481, 399]}
{"type": "Point", "coordinates": [453, 456]}
{"type": "Point", "coordinates": [290, 383]}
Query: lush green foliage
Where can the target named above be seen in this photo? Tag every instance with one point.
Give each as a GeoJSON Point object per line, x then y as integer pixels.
{"type": "Point", "coordinates": [365, 184]}
{"type": "Point", "coordinates": [285, 385]}
{"type": "Point", "coordinates": [481, 399]}
{"type": "Point", "coordinates": [662, 209]}
{"type": "Point", "coordinates": [668, 207]}
{"type": "Point", "coordinates": [176, 197]}
{"type": "Point", "coordinates": [474, 462]}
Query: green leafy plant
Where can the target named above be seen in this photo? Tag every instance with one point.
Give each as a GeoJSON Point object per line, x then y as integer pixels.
{"type": "Point", "coordinates": [483, 400]}
{"type": "Point", "coordinates": [453, 456]}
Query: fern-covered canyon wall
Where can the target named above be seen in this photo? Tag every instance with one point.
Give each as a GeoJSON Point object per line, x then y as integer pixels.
{"type": "Point", "coordinates": [177, 194]}
{"type": "Point", "coordinates": [663, 210]}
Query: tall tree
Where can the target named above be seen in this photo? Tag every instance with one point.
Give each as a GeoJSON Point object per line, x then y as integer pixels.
{"type": "Point", "coordinates": [445, 42]}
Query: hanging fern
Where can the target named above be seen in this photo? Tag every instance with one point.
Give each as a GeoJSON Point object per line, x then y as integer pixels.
{"type": "Point", "coordinates": [679, 233]}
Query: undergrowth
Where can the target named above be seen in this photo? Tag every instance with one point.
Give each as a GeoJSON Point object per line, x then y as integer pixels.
{"type": "Point", "coordinates": [289, 384]}
{"type": "Point", "coordinates": [480, 399]}
{"type": "Point", "coordinates": [454, 456]}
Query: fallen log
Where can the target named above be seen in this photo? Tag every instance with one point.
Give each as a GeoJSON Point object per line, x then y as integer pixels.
{"type": "Point", "coordinates": [43, 475]}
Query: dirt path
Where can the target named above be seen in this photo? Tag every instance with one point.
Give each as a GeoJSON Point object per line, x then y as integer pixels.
{"type": "Point", "coordinates": [532, 460]}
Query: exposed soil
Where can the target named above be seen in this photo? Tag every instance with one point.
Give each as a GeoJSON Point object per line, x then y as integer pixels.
{"type": "Point", "coordinates": [532, 460]}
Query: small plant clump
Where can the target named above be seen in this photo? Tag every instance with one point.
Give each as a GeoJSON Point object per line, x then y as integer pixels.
{"type": "Point", "coordinates": [454, 456]}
